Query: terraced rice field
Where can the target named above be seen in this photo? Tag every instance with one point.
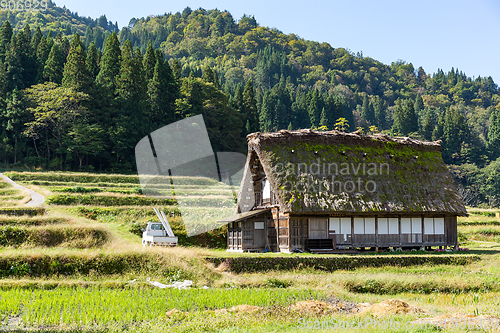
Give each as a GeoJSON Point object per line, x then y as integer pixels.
{"type": "Point", "coordinates": [77, 264]}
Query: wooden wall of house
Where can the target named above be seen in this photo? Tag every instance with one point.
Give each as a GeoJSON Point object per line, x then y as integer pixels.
{"type": "Point", "coordinates": [450, 227]}
{"type": "Point", "coordinates": [272, 235]}
{"type": "Point", "coordinates": [282, 227]}
{"type": "Point", "coordinates": [283, 233]}
{"type": "Point", "coordinates": [370, 231]}
{"type": "Point", "coordinates": [249, 234]}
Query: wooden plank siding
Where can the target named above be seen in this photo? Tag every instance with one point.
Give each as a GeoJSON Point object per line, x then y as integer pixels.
{"type": "Point", "coordinates": [376, 231]}
{"type": "Point", "coordinates": [450, 228]}
{"type": "Point", "coordinates": [249, 234]}
{"type": "Point", "coordinates": [284, 233]}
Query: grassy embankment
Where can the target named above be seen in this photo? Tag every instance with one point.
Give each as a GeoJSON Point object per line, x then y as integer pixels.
{"type": "Point", "coordinates": [71, 268]}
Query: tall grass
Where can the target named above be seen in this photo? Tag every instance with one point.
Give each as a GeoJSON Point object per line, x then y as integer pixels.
{"type": "Point", "coordinates": [83, 306]}
{"type": "Point", "coordinates": [79, 237]}
{"type": "Point", "coordinates": [79, 177]}
{"type": "Point", "coordinates": [105, 200]}
{"type": "Point", "coordinates": [31, 220]}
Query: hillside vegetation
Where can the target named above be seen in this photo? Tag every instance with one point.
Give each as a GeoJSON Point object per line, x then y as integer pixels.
{"type": "Point", "coordinates": [110, 88]}
{"type": "Point", "coordinates": [81, 267]}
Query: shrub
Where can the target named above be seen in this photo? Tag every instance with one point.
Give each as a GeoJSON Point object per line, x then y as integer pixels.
{"type": "Point", "coordinates": [277, 283]}
{"type": "Point", "coordinates": [391, 287]}
{"type": "Point", "coordinates": [18, 211]}
{"type": "Point", "coordinates": [30, 221]}
{"type": "Point", "coordinates": [80, 189]}
{"type": "Point", "coordinates": [78, 177]}
{"type": "Point", "coordinates": [74, 236]}
{"type": "Point", "coordinates": [106, 200]}
{"type": "Point", "coordinates": [257, 264]}
{"type": "Point", "coordinates": [101, 264]}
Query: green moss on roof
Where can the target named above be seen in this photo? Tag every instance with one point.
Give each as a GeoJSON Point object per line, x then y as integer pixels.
{"type": "Point", "coordinates": [313, 171]}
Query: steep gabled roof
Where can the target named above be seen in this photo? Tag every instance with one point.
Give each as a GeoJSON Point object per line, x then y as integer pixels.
{"type": "Point", "coordinates": [312, 171]}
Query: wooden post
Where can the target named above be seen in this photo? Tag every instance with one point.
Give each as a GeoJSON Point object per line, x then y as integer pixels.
{"type": "Point", "coordinates": [352, 232]}
{"type": "Point", "coordinates": [399, 229]}
{"type": "Point", "coordinates": [266, 233]}
{"type": "Point", "coordinates": [278, 249]}
{"type": "Point", "coordinates": [423, 230]}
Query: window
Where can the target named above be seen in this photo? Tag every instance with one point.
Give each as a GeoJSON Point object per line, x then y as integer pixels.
{"type": "Point", "coordinates": [383, 226]}
{"type": "Point", "coordinates": [369, 225]}
{"type": "Point", "coordinates": [359, 225]}
{"type": "Point", "coordinates": [259, 225]}
{"type": "Point", "coordinates": [439, 225]}
{"type": "Point", "coordinates": [156, 226]}
{"type": "Point", "coordinates": [334, 225]}
{"type": "Point", "coordinates": [434, 225]}
{"type": "Point", "coordinates": [416, 225]}
{"type": "Point", "coordinates": [406, 225]}
{"type": "Point", "coordinates": [345, 225]}
{"type": "Point", "coordinates": [393, 226]}
{"type": "Point", "coordinates": [267, 190]}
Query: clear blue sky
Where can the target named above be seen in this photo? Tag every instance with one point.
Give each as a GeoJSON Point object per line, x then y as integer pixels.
{"type": "Point", "coordinates": [434, 34]}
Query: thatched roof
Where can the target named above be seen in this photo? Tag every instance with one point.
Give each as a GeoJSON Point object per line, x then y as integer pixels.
{"type": "Point", "coordinates": [328, 172]}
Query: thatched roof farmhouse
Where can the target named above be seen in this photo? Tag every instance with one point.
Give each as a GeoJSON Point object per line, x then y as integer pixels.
{"type": "Point", "coordinates": [312, 190]}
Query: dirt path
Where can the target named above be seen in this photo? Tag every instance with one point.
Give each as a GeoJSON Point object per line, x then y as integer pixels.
{"type": "Point", "coordinates": [36, 199]}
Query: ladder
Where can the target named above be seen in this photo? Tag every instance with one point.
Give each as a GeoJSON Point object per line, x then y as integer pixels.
{"type": "Point", "coordinates": [163, 219]}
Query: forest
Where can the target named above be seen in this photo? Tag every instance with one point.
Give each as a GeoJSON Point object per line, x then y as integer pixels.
{"type": "Point", "coordinates": [78, 93]}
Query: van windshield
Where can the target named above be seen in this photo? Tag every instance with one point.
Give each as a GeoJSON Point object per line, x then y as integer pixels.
{"type": "Point", "coordinates": [156, 226]}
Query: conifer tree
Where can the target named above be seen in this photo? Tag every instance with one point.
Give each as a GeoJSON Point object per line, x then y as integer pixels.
{"type": "Point", "coordinates": [454, 131]}
{"type": "Point", "coordinates": [494, 134]}
{"type": "Point", "coordinates": [5, 38]}
{"type": "Point", "coordinates": [367, 112]}
{"type": "Point", "coordinates": [280, 116]}
{"type": "Point", "coordinates": [419, 104]}
{"type": "Point", "coordinates": [110, 64]}
{"type": "Point", "coordinates": [379, 108]}
{"type": "Point", "coordinates": [250, 106]}
{"type": "Point", "coordinates": [208, 75]}
{"type": "Point", "coordinates": [159, 55]}
{"type": "Point", "coordinates": [149, 62]}
{"type": "Point", "coordinates": [405, 119]}
{"type": "Point", "coordinates": [35, 40]}
{"type": "Point", "coordinates": [172, 84]}
{"type": "Point", "coordinates": [247, 127]}
{"type": "Point", "coordinates": [176, 69]}
{"type": "Point", "coordinates": [42, 54]}
{"type": "Point", "coordinates": [160, 97]}
{"type": "Point", "coordinates": [237, 101]}
{"type": "Point", "coordinates": [3, 83]}
{"type": "Point", "coordinates": [76, 74]}
{"type": "Point", "coordinates": [54, 66]}
{"type": "Point", "coordinates": [428, 126]}
{"type": "Point", "coordinates": [265, 117]}
{"type": "Point", "coordinates": [398, 125]}
{"type": "Point", "coordinates": [26, 56]}
{"type": "Point", "coordinates": [89, 36]}
{"type": "Point", "coordinates": [13, 69]}
{"type": "Point", "coordinates": [313, 108]}
{"type": "Point", "coordinates": [91, 63]}
{"type": "Point", "coordinates": [129, 125]}
{"type": "Point", "coordinates": [410, 116]}
{"type": "Point", "coordinates": [131, 85]}
{"type": "Point", "coordinates": [437, 134]}
{"type": "Point", "coordinates": [324, 119]}
{"type": "Point", "coordinates": [215, 80]}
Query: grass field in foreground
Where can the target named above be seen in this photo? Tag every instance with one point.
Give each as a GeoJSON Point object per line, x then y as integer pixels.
{"type": "Point", "coordinates": [97, 296]}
